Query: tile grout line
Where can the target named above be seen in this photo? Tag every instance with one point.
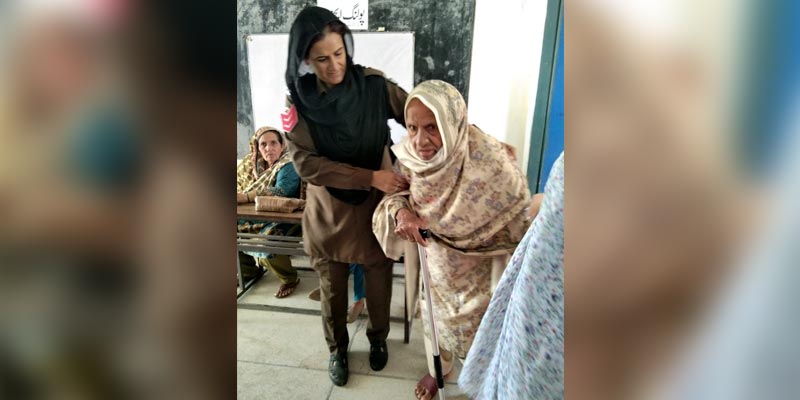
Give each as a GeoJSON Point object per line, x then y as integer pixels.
{"type": "Point", "coordinates": [399, 378]}
{"type": "Point", "coordinates": [300, 311]}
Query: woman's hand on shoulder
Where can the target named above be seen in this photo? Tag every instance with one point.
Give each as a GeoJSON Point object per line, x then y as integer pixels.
{"type": "Point", "coordinates": [388, 181]}
{"type": "Point", "coordinates": [408, 226]}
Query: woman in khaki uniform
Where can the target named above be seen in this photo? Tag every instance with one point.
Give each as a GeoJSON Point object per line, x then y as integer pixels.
{"type": "Point", "coordinates": [338, 139]}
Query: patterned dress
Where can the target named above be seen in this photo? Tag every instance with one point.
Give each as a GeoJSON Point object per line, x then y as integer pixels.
{"type": "Point", "coordinates": [461, 277]}
{"type": "Point", "coordinates": [518, 352]}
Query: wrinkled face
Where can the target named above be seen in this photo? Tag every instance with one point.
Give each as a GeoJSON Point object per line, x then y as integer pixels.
{"type": "Point", "coordinates": [270, 147]}
{"type": "Point", "coordinates": [328, 58]}
{"type": "Point", "coordinates": [423, 132]}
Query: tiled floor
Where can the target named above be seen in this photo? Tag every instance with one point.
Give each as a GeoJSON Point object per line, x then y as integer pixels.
{"type": "Point", "coordinates": [282, 354]}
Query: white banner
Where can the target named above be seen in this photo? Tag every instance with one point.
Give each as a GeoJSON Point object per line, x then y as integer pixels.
{"type": "Point", "coordinates": [354, 13]}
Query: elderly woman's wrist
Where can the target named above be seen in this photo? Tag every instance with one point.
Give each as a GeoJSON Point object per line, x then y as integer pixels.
{"type": "Point", "coordinates": [401, 213]}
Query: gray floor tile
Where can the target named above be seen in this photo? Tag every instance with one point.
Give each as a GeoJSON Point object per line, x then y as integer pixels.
{"type": "Point", "coordinates": [373, 387]}
{"type": "Point", "coordinates": [258, 382]}
{"type": "Point", "coordinates": [365, 387]}
{"type": "Point", "coordinates": [405, 360]}
{"type": "Point", "coordinates": [280, 338]}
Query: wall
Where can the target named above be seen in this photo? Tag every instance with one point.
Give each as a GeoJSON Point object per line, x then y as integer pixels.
{"type": "Point", "coordinates": [442, 50]}
{"type": "Point", "coordinates": [506, 54]}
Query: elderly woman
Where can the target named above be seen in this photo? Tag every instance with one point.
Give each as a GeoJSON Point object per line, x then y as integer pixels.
{"type": "Point", "coordinates": [504, 363]}
{"type": "Point", "coordinates": [467, 191]}
{"type": "Point", "coordinates": [338, 138]}
{"type": "Point", "coordinates": [267, 171]}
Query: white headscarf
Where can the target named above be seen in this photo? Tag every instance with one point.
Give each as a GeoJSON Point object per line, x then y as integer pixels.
{"type": "Point", "coordinates": [450, 110]}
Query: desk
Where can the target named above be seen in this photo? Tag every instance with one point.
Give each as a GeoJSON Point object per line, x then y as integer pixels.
{"type": "Point", "coordinates": [289, 245]}
{"type": "Point", "coordinates": [248, 211]}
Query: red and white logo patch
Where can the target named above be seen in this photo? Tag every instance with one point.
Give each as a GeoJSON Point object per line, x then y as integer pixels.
{"type": "Point", "coordinates": [289, 118]}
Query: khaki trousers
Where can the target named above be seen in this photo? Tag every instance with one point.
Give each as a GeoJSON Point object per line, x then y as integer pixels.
{"type": "Point", "coordinates": [333, 276]}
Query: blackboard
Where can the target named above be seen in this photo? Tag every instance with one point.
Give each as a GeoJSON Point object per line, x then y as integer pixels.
{"type": "Point", "coordinates": [442, 41]}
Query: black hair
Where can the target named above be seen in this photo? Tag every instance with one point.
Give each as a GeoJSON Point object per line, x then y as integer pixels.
{"type": "Point", "coordinates": [334, 26]}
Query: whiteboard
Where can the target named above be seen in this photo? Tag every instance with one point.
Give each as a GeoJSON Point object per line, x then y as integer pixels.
{"type": "Point", "coordinates": [390, 52]}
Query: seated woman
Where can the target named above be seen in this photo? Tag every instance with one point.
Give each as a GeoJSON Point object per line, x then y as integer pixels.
{"type": "Point", "coordinates": [467, 191]}
{"type": "Point", "coordinates": [268, 171]}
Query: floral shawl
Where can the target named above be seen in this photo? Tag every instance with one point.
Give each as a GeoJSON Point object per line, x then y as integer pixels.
{"type": "Point", "coordinates": [470, 192]}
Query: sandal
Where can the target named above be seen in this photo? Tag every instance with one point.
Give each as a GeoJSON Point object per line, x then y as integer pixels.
{"type": "Point", "coordinates": [286, 289]}
{"type": "Point", "coordinates": [426, 388]}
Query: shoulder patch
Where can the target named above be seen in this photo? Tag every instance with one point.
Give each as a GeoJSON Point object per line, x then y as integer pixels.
{"type": "Point", "coordinates": [289, 118]}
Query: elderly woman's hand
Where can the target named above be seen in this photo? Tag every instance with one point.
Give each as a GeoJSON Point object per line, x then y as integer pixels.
{"type": "Point", "coordinates": [408, 226]}
{"type": "Point", "coordinates": [241, 198]}
{"type": "Point", "coordinates": [389, 181]}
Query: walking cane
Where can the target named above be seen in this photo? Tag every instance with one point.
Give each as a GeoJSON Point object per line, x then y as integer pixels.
{"type": "Point", "coordinates": [426, 278]}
